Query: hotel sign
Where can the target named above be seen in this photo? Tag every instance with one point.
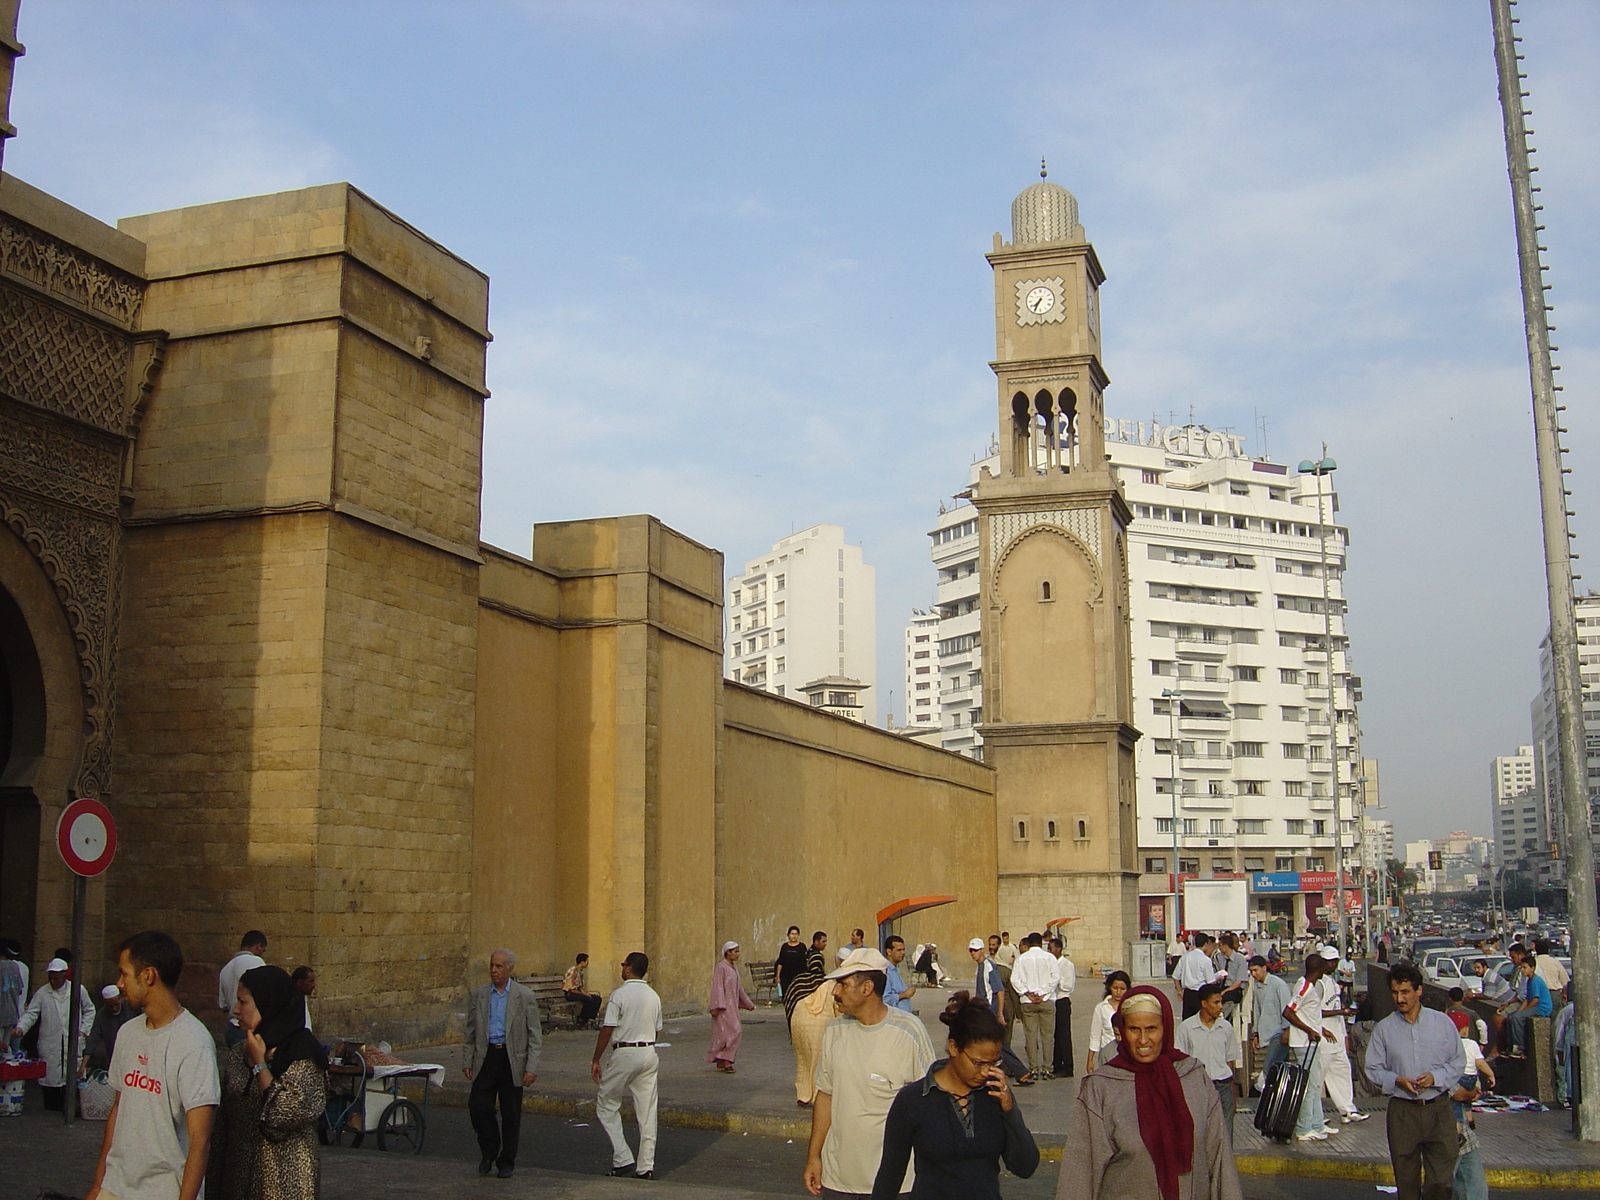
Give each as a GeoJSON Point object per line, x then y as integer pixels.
{"type": "Point", "coordinates": [1194, 440]}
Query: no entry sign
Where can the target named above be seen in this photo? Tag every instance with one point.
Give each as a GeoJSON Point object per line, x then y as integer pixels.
{"type": "Point", "coordinates": [87, 837]}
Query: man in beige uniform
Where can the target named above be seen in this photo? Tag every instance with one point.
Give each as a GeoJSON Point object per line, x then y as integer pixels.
{"type": "Point", "coordinates": [868, 1054]}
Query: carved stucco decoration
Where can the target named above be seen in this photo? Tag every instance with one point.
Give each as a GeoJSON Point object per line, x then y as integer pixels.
{"type": "Point", "coordinates": [1083, 524]}
{"type": "Point", "coordinates": [63, 270]}
{"type": "Point", "coordinates": [61, 362]}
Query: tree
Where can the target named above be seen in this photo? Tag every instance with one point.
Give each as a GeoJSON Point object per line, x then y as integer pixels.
{"type": "Point", "coordinates": [1402, 879]}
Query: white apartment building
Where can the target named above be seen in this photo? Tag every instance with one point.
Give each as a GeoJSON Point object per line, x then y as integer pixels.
{"type": "Point", "coordinates": [922, 678]}
{"type": "Point", "coordinates": [1516, 808]}
{"type": "Point", "coordinates": [1546, 746]}
{"type": "Point", "coordinates": [804, 611]}
{"type": "Point", "coordinates": [1377, 842]}
{"type": "Point", "coordinates": [1226, 600]}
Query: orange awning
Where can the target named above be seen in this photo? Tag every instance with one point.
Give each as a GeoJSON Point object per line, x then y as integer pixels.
{"type": "Point", "coordinates": [902, 908]}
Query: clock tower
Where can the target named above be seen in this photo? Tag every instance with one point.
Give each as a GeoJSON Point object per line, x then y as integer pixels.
{"type": "Point", "coordinates": [1057, 683]}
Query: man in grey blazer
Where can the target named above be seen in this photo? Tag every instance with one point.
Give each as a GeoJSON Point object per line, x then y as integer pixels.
{"type": "Point", "coordinates": [501, 1052]}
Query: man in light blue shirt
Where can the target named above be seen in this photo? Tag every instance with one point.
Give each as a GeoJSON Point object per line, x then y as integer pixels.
{"type": "Point", "coordinates": [1415, 1058]}
{"type": "Point", "coordinates": [1269, 997]}
{"type": "Point", "coordinates": [897, 993]}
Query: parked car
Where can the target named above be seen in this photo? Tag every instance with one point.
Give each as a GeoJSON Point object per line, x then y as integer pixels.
{"type": "Point", "coordinates": [1421, 946]}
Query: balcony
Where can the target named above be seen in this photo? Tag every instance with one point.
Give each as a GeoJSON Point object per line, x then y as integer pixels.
{"type": "Point", "coordinates": [1191, 648]}
{"type": "Point", "coordinates": [1319, 766]}
{"type": "Point", "coordinates": [1316, 691]}
{"type": "Point", "coordinates": [1205, 762]}
{"type": "Point", "coordinates": [1202, 687]}
{"type": "Point", "coordinates": [1204, 724]}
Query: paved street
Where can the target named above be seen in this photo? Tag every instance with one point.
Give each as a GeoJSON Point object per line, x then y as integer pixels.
{"type": "Point", "coordinates": [559, 1158]}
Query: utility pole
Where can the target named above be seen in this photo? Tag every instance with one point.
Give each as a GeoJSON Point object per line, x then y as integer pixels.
{"type": "Point", "coordinates": [1558, 558]}
{"type": "Point", "coordinates": [1323, 470]}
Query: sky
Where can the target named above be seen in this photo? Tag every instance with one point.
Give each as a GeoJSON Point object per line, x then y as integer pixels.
{"type": "Point", "coordinates": [736, 253]}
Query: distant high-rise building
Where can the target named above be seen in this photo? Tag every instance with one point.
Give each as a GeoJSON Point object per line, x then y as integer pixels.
{"type": "Point", "coordinates": [1377, 842]}
{"type": "Point", "coordinates": [1546, 745]}
{"type": "Point", "coordinates": [1516, 808]}
{"type": "Point", "coordinates": [922, 677]}
{"type": "Point", "coordinates": [802, 612]}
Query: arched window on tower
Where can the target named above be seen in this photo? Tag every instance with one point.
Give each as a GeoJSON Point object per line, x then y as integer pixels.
{"type": "Point", "coordinates": [1067, 427]}
{"type": "Point", "coordinates": [1021, 442]}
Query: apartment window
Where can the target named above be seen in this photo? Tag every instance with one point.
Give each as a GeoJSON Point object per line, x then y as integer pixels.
{"type": "Point", "coordinates": [1216, 827]}
{"type": "Point", "coordinates": [1150, 477]}
{"type": "Point", "coordinates": [1293, 750]}
{"type": "Point", "coordinates": [921, 637]}
{"type": "Point", "coordinates": [1291, 713]}
{"type": "Point", "coordinates": [1249, 749]}
{"type": "Point", "coordinates": [1316, 864]}
{"type": "Point", "coordinates": [1214, 788]}
{"type": "Point", "coordinates": [737, 626]}
{"type": "Point", "coordinates": [1247, 712]}
{"type": "Point", "coordinates": [1255, 864]}
{"type": "Point", "coordinates": [1160, 667]}
{"type": "Point", "coordinates": [1294, 788]}
{"type": "Point", "coordinates": [1316, 752]}
{"type": "Point", "coordinates": [736, 596]}
{"type": "Point", "coordinates": [777, 583]}
{"type": "Point", "coordinates": [1155, 866]}
{"type": "Point", "coordinates": [1319, 829]}
{"type": "Point", "coordinates": [777, 609]}
{"type": "Point", "coordinates": [1283, 862]}
{"type": "Point", "coordinates": [1222, 866]}
{"type": "Point", "coordinates": [1297, 828]}
{"type": "Point", "coordinates": [1252, 787]}
{"type": "Point", "coordinates": [915, 654]}
{"type": "Point", "coordinates": [922, 687]}
{"type": "Point", "coordinates": [1188, 866]}
{"type": "Point", "coordinates": [1288, 675]}
{"type": "Point", "coordinates": [779, 636]}
{"type": "Point", "coordinates": [1247, 674]}
{"type": "Point", "coordinates": [1238, 489]}
{"type": "Point", "coordinates": [777, 664]}
{"type": "Point", "coordinates": [923, 670]}
{"type": "Point", "coordinates": [1254, 828]}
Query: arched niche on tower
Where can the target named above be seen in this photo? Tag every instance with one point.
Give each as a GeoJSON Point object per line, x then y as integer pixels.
{"type": "Point", "coordinates": [1046, 635]}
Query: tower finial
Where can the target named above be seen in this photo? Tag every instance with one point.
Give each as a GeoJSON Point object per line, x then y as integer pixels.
{"type": "Point", "coordinates": [1043, 171]}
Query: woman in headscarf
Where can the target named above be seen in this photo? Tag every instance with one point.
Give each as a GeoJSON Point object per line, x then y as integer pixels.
{"type": "Point", "coordinates": [274, 1089]}
{"type": "Point", "coordinates": [809, 1006]}
{"type": "Point", "coordinates": [1148, 1123]}
{"type": "Point", "coordinates": [727, 998]}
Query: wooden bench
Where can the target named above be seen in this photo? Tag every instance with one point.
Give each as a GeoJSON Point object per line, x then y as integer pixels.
{"type": "Point", "coordinates": [764, 982]}
{"type": "Point", "coordinates": [555, 1010]}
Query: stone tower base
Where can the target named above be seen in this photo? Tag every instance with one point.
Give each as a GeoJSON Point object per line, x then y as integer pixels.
{"type": "Point", "coordinates": [1107, 904]}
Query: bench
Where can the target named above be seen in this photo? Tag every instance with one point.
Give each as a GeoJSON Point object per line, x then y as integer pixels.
{"type": "Point", "coordinates": [764, 982]}
{"type": "Point", "coordinates": [555, 1010]}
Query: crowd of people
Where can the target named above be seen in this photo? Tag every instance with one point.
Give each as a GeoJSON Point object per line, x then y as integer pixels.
{"type": "Point", "coordinates": [1153, 1114]}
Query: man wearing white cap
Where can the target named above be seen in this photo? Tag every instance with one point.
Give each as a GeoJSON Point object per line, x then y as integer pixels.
{"type": "Point", "coordinates": [50, 1009]}
{"type": "Point", "coordinates": [727, 998]}
{"type": "Point", "coordinates": [1336, 1061]}
{"type": "Point", "coordinates": [989, 987]}
{"type": "Point", "coordinates": [868, 1054]}
{"type": "Point", "coordinates": [115, 1012]}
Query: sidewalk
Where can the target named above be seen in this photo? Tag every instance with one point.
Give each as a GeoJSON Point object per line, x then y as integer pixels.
{"type": "Point", "coordinates": [1520, 1150]}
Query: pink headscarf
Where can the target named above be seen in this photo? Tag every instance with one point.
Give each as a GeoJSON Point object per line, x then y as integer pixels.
{"type": "Point", "coordinates": [1165, 1122]}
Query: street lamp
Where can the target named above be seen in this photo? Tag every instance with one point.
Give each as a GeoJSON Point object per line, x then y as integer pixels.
{"type": "Point", "coordinates": [1173, 697]}
{"type": "Point", "coordinates": [1321, 469]}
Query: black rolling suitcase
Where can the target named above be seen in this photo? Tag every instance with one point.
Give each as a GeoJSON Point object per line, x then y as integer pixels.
{"type": "Point", "coordinates": [1282, 1093]}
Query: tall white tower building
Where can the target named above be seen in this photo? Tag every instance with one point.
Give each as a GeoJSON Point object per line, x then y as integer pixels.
{"type": "Point", "coordinates": [1226, 603]}
{"type": "Point", "coordinates": [804, 611]}
{"type": "Point", "coordinates": [1546, 746]}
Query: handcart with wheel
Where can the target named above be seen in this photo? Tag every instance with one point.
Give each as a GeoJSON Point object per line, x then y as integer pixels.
{"type": "Point", "coordinates": [367, 1094]}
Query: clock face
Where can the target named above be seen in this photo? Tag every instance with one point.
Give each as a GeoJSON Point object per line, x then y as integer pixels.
{"type": "Point", "coordinates": [1040, 300]}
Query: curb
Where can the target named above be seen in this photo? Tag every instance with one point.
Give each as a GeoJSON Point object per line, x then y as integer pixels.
{"type": "Point", "coordinates": [719, 1120]}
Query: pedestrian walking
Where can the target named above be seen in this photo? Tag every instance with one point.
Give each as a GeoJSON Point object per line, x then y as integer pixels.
{"type": "Point", "coordinates": [727, 998]}
{"type": "Point", "coordinates": [1036, 976]}
{"type": "Point", "coordinates": [1195, 969]}
{"type": "Point", "coordinates": [1102, 1035]}
{"type": "Point", "coordinates": [898, 993]}
{"type": "Point", "coordinates": [575, 987]}
{"type": "Point", "coordinates": [50, 1010]}
{"type": "Point", "coordinates": [164, 1071]}
{"type": "Point", "coordinates": [1148, 1123]}
{"type": "Point", "coordinates": [274, 1091]}
{"type": "Point", "coordinates": [500, 1046]}
{"type": "Point", "coordinates": [1269, 996]}
{"type": "Point", "coordinates": [1415, 1058]}
{"type": "Point", "coordinates": [960, 1119]}
{"type": "Point", "coordinates": [632, 1021]}
{"type": "Point", "coordinates": [1307, 1041]}
{"type": "Point", "coordinates": [989, 987]}
{"type": "Point", "coordinates": [1336, 1072]}
{"type": "Point", "coordinates": [251, 947]}
{"type": "Point", "coordinates": [791, 959]}
{"type": "Point", "coordinates": [115, 1012]}
{"type": "Point", "coordinates": [809, 1006]}
{"type": "Point", "coordinates": [869, 1053]}
{"type": "Point", "coordinates": [1208, 1036]}
{"type": "Point", "coordinates": [1062, 1059]}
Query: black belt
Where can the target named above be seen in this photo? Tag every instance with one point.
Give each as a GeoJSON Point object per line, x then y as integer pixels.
{"type": "Point", "coordinates": [629, 1045]}
{"type": "Point", "coordinates": [1430, 1100]}
{"type": "Point", "coordinates": [497, 1045]}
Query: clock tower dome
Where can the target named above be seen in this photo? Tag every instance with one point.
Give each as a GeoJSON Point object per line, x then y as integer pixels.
{"type": "Point", "coordinates": [1057, 683]}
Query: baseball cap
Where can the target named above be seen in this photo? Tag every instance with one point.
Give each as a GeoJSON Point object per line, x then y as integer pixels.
{"type": "Point", "coordinates": [857, 961]}
{"type": "Point", "coordinates": [977, 944]}
{"type": "Point", "coordinates": [1330, 953]}
{"type": "Point", "coordinates": [56, 964]}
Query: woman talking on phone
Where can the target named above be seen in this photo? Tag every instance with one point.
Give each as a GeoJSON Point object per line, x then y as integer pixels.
{"type": "Point", "coordinates": [961, 1119]}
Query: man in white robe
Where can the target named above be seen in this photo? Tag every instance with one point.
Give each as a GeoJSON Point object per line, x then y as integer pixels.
{"type": "Point", "coordinates": [50, 1011]}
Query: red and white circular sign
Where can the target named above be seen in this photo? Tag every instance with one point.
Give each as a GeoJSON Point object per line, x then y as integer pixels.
{"type": "Point", "coordinates": [87, 837]}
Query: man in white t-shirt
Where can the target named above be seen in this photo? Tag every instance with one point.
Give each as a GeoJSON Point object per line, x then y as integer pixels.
{"type": "Point", "coordinates": [632, 1020]}
{"type": "Point", "coordinates": [1306, 1035]}
{"type": "Point", "coordinates": [1336, 1063]}
{"type": "Point", "coordinates": [251, 947]}
{"type": "Point", "coordinates": [164, 1070]}
{"type": "Point", "coordinates": [868, 1054]}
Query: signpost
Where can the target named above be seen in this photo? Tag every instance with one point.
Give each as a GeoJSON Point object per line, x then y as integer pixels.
{"type": "Point", "coordinates": [86, 836]}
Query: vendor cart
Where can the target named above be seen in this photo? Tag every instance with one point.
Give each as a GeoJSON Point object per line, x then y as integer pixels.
{"type": "Point", "coordinates": [366, 1097]}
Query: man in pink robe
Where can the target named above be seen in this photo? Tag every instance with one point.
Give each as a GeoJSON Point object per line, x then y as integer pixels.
{"type": "Point", "coordinates": [727, 998]}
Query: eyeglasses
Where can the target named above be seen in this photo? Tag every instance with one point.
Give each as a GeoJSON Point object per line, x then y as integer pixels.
{"type": "Point", "coordinates": [981, 1062]}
